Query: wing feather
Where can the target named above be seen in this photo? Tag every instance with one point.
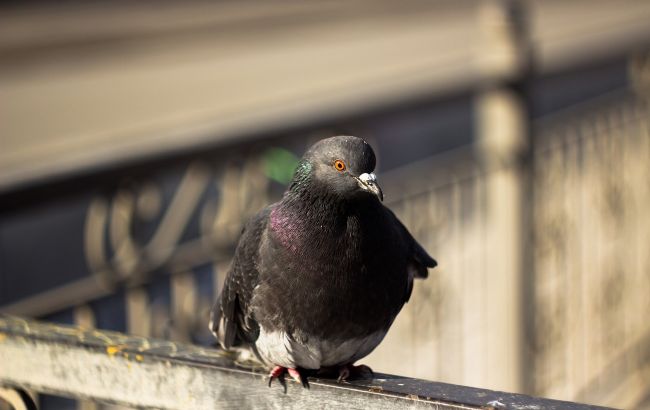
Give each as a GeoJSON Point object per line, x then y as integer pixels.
{"type": "Point", "coordinates": [420, 261]}
{"type": "Point", "coordinates": [231, 320]}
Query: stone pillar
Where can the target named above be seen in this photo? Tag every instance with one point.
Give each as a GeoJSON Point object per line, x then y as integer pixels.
{"type": "Point", "coordinates": [504, 145]}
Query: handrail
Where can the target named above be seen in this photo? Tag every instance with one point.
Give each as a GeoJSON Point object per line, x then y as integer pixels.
{"type": "Point", "coordinates": [112, 367]}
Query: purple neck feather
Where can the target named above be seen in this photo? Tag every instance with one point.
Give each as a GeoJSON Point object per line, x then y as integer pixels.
{"type": "Point", "coordinates": [286, 226]}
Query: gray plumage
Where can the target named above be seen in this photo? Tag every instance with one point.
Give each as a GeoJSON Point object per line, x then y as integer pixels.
{"type": "Point", "coordinates": [318, 278]}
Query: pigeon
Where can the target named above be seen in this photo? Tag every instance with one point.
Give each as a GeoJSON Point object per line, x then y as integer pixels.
{"type": "Point", "coordinates": [318, 278]}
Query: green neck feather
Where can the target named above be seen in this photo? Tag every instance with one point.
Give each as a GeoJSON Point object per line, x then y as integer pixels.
{"type": "Point", "coordinates": [301, 176]}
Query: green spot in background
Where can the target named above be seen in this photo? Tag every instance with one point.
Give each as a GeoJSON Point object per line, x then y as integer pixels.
{"type": "Point", "coordinates": [279, 164]}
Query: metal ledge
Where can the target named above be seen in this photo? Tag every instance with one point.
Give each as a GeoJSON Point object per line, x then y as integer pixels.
{"type": "Point", "coordinates": [134, 371]}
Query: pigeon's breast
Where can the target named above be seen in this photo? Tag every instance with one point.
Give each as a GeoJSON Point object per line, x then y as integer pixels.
{"type": "Point", "coordinates": [345, 278]}
{"type": "Point", "coordinates": [279, 348]}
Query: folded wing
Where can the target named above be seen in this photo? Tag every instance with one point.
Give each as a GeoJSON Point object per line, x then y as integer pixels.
{"type": "Point", "coordinates": [231, 319]}
{"type": "Point", "coordinates": [420, 260]}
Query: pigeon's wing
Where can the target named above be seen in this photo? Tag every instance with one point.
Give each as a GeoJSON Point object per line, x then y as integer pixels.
{"type": "Point", "coordinates": [231, 320]}
{"type": "Point", "coordinates": [420, 261]}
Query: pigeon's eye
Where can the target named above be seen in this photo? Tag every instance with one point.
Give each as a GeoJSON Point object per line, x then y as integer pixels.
{"type": "Point", "coordinates": [339, 165]}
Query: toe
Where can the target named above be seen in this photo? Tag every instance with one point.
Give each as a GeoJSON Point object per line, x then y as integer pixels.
{"type": "Point", "coordinates": [297, 376]}
{"type": "Point", "coordinates": [350, 372]}
{"type": "Point", "coordinates": [344, 373]}
{"type": "Point", "coordinates": [278, 373]}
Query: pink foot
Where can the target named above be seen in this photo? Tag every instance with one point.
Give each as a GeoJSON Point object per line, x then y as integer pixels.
{"type": "Point", "coordinates": [278, 372]}
{"type": "Point", "coordinates": [295, 375]}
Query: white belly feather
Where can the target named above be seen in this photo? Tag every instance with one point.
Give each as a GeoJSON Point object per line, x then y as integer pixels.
{"type": "Point", "coordinates": [278, 349]}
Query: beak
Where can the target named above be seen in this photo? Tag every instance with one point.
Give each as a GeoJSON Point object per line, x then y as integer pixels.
{"type": "Point", "coordinates": [368, 182]}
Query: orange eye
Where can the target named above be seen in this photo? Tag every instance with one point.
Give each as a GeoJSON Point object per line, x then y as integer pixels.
{"type": "Point", "coordinates": [339, 165]}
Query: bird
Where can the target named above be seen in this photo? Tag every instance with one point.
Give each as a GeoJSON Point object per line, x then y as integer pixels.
{"type": "Point", "coordinates": [318, 278]}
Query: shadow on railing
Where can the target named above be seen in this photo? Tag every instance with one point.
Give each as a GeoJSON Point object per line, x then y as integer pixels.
{"type": "Point", "coordinates": [112, 367]}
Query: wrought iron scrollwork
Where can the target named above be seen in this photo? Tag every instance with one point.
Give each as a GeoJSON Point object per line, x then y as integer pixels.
{"type": "Point", "coordinates": [17, 399]}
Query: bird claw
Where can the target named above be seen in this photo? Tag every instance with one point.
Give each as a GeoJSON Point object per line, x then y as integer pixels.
{"type": "Point", "coordinates": [295, 374]}
{"type": "Point", "coordinates": [278, 372]}
{"type": "Point", "coordinates": [344, 373]}
{"type": "Point", "coordinates": [354, 372]}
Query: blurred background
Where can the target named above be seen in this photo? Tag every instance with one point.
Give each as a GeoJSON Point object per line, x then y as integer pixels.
{"type": "Point", "coordinates": [513, 140]}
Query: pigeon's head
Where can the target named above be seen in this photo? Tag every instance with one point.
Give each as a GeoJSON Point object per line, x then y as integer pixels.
{"type": "Point", "coordinates": [344, 165]}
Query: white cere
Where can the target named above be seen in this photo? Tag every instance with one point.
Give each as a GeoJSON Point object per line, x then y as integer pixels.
{"type": "Point", "coordinates": [368, 177]}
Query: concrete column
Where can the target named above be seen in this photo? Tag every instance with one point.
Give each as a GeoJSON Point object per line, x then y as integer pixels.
{"type": "Point", "coordinates": [504, 143]}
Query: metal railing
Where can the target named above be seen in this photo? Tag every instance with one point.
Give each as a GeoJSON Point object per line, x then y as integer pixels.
{"type": "Point", "coordinates": [111, 367]}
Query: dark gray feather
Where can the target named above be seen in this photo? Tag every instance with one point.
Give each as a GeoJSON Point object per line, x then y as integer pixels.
{"type": "Point", "coordinates": [231, 320]}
